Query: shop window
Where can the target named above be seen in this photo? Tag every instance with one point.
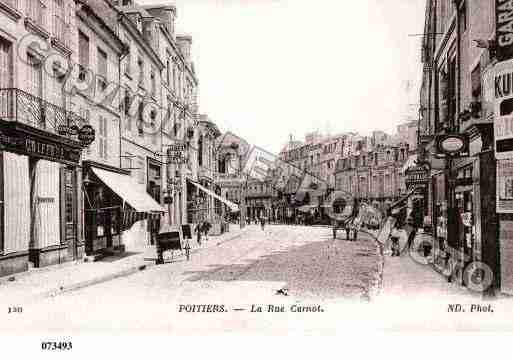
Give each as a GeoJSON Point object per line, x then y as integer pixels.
{"type": "Point", "coordinates": [69, 205]}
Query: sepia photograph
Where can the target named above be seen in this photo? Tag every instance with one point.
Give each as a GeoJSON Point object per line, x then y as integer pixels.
{"type": "Point", "coordinates": [204, 167]}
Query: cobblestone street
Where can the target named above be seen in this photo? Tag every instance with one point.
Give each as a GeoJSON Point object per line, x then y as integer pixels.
{"type": "Point", "coordinates": [240, 273]}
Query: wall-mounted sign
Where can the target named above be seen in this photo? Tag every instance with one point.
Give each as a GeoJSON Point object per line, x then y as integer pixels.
{"type": "Point", "coordinates": [86, 135]}
{"type": "Point", "coordinates": [38, 146]}
{"type": "Point", "coordinates": [504, 29]}
{"type": "Point", "coordinates": [453, 145]}
{"type": "Point", "coordinates": [503, 108]}
{"type": "Point", "coordinates": [505, 186]}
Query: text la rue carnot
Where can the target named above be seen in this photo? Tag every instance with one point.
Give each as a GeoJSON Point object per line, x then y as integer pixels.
{"type": "Point", "coordinates": [294, 308]}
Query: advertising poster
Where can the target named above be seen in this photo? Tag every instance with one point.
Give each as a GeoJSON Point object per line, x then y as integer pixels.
{"type": "Point", "coordinates": [505, 186]}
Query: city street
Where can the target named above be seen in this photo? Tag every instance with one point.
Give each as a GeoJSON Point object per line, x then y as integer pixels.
{"type": "Point", "coordinates": [239, 274]}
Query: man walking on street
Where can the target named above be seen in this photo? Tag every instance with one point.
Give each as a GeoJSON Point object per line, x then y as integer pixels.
{"type": "Point", "coordinates": [197, 230]}
{"type": "Point", "coordinates": [262, 222]}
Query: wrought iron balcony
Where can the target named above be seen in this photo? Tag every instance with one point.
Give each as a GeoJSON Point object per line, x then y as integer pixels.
{"type": "Point", "coordinates": [19, 106]}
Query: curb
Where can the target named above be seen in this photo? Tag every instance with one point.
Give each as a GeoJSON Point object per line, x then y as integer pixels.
{"type": "Point", "coordinates": [97, 280]}
{"type": "Point", "coordinates": [122, 273]}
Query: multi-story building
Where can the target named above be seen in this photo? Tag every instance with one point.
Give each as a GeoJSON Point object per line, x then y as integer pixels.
{"type": "Point", "coordinates": [40, 156]}
{"type": "Point", "coordinates": [459, 51]}
{"type": "Point", "coordinates": [259, 199]}
{"type": "Point", "coordinates": [97, 91]}
{"type": "Point", "coordinates": [374, 176]}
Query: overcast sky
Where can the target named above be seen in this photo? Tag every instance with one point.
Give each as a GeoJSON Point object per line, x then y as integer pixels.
{"type": "Point", "coordinates": [270, 68]}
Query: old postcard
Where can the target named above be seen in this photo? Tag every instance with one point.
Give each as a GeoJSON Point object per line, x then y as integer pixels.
{"type": "Point", "coordinates": [236, 166]}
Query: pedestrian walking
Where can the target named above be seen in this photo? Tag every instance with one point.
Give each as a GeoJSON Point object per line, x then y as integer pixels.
{"type": "Point", "coordinates": [262, 222]}
{"type": "Point", "coordinates": [206, 228]}
{"type": "Point", "coordinates": [187, 247]}
{"type": "Point", "coordinates": [197, 230]}
{"type": "Point", "coordinates": [394, 238]}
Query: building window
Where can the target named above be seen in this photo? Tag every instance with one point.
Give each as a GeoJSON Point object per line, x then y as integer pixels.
{"type": "Point", "coordinates": [128, 59]}
{"type": "Point", "coordinates": [476, 88]}
{"type": "Point", "coordinates": [168, 72]}
{"type": "Point", "coordinates": [102, 69]}
{"type": "Point", "coordinates": [140, 120]}
{"type": "Point", "coordinates": [140, 65]}
{"type": "Point", "coordinates": [83, 54]}
{"type": "Point", "coordinates": [153, 84]}
{"type": "Point", "coordinates": [6, 72]}
{"type": "Point", "coordinates": [103, 138]}
{"type": "Point", "coordinates": [452, 94]}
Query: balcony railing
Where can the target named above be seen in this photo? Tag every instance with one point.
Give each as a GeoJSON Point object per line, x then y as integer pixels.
{"type": "Point", "coordinates": [19, 106]}
{"type": "Point", "coordinates": [36, 11]}
{"type": "Point", "coordinates": [61, 30]}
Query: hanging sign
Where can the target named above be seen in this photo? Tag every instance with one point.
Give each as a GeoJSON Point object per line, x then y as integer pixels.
{"type": "Point", "coordinates": [453, 145]}
{"type": "Point", "coordinates": [416, 176]}
{"type": "Point", "coordinates": [86, 135]}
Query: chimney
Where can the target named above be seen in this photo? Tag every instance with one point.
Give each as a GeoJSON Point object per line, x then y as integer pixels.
{"type": "Point", "coordinates": [184, 43]}
{"type": "Point", "coordinates": [166, 14]}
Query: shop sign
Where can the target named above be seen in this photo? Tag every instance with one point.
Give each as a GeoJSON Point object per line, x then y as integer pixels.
{"type": "Point", "coordinates": [416, 176]}
{"type": "Point", "coordinates": [86, 135]}
{"type": "Point", "coordinates": [503, 109]}
{"type": "Point", "coordinates": [176, 153]}
{"type": "Point", "coordinates": [32, 145]}
{"type": "Point", "coordinates": [453, 145]}
{"type": "Point", "coordinates": [505, 186]}
{"type": "Point", "coordinates": [504, 29]}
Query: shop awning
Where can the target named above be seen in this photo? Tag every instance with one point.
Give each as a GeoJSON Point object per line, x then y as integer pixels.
{"type": "Point", "coordinates": [403, 198]}
{"type": "Point", "coordinates": [129, 190]}
{"type": "Point", "coordinates": [233, 207]}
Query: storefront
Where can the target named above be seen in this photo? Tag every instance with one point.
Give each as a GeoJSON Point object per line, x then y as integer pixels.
{"type": "Point", "coordinates": [39, 197]}
{"type": "Point", "coordinates": [113, 202]}
{"type": "Point", "coordinates": [201, 208]}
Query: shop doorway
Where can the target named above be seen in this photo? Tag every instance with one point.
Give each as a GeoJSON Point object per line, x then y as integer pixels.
{"type": "Point", "coordinates": [465, 220]}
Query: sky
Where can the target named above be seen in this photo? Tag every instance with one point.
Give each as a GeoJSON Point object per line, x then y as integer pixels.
{"type": "Point", "coordinates": [269, 69]}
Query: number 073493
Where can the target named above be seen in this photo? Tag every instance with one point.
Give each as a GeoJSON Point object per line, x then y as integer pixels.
{"type": "Point", "coordinates": [56, 346]}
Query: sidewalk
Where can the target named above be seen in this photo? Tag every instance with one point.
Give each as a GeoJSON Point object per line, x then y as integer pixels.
{"type": "Point", "coordinates": [52, 280]}
{"type": "Point", "coordinates": [403, 277]}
